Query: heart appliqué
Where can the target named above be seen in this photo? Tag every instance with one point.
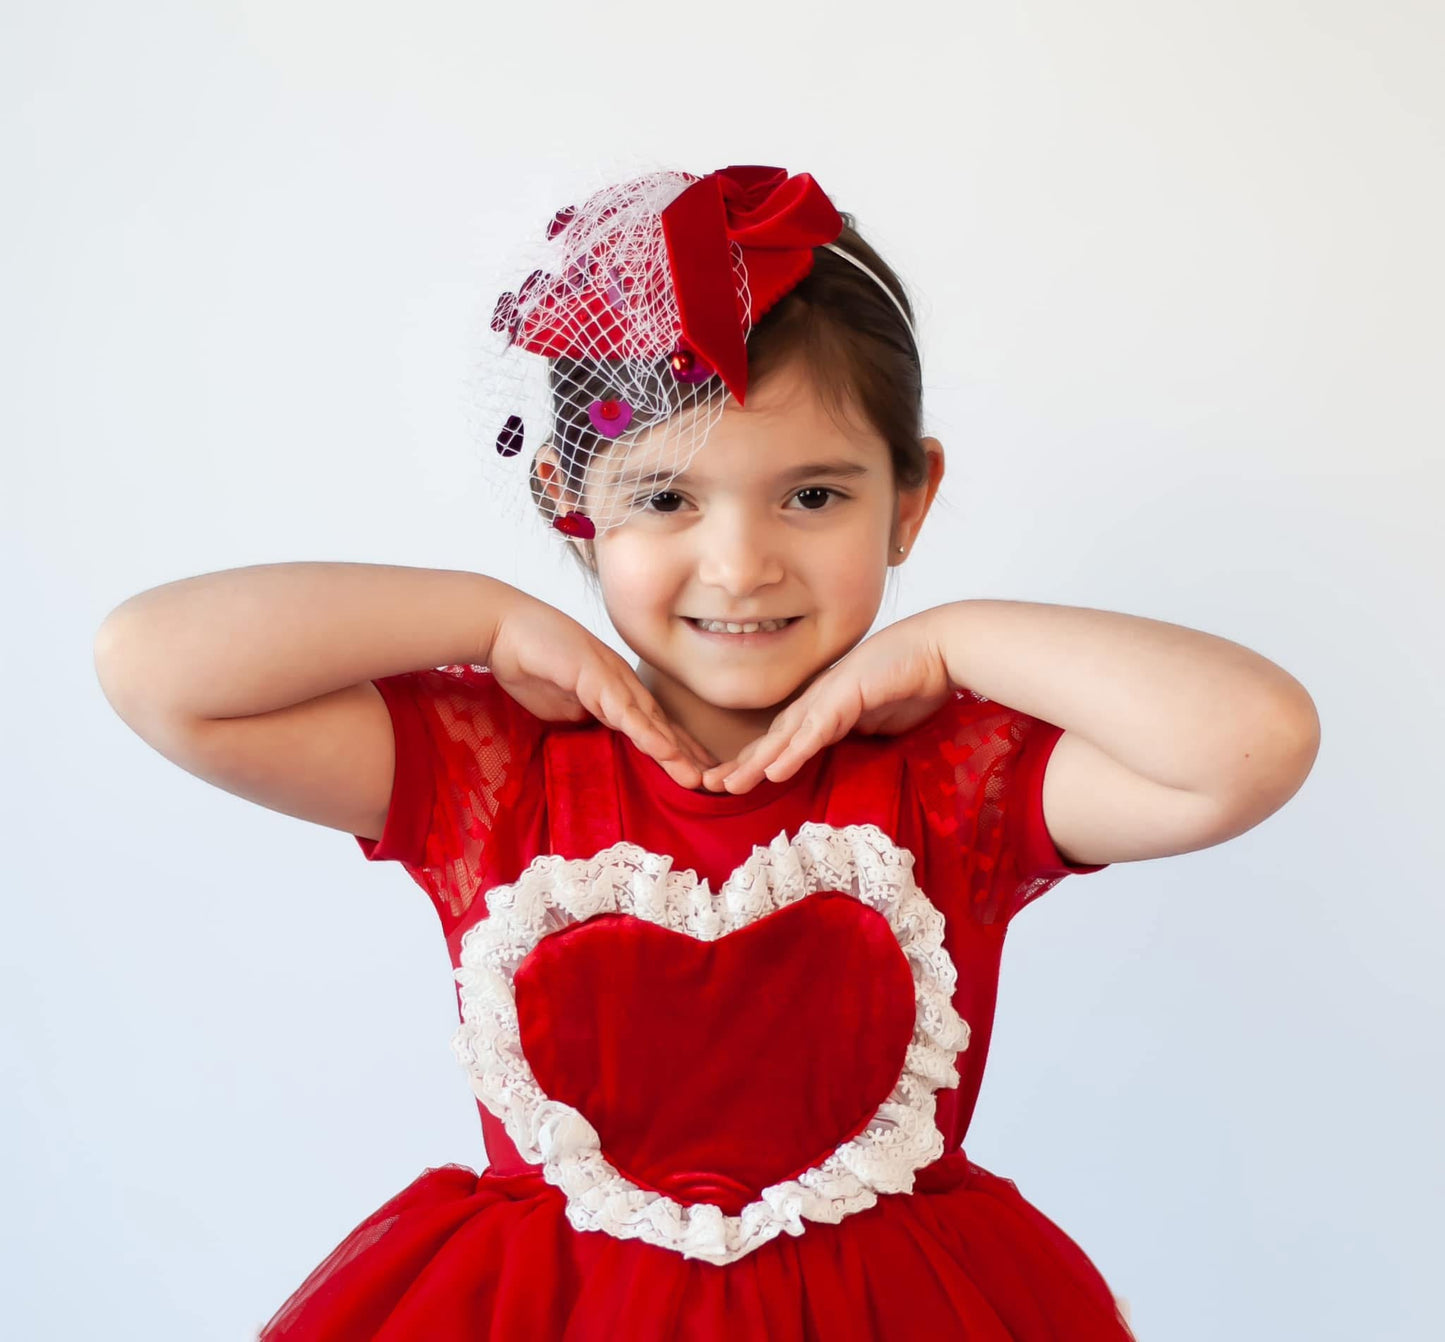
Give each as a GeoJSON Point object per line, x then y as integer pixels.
{"type": "Point", "coordinates": [807, 1012]}
{"type": "Point", "coordinates": [749, 1059]}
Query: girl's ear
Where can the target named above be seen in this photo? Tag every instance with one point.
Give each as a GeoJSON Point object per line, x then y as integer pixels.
{"type": "Point", "coordinates": [547, 471]}
{"type": "Point", "coordinates": [913, 504]}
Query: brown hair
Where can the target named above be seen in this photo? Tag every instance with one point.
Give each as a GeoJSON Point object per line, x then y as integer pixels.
{"type": "Point", "coordinates": [853, 344]}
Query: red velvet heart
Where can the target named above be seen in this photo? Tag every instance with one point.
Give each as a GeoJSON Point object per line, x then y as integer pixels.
{"type": "Point", "coordinates": [714, 1069]}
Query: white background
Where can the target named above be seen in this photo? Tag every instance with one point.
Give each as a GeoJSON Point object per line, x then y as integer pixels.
{"type": "Point", "coordinates": [1179, 280]}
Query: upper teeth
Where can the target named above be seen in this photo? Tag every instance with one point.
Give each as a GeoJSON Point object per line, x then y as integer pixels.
{"type": "Point", "coordinates": [719, 627]}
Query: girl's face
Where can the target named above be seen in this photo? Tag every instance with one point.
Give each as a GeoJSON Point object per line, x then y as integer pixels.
{"type": "Point", "coordinates": [782, 514]}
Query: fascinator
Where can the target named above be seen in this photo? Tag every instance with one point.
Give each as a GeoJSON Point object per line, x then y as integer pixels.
{"type": "Point", "coordinates": [610, 362]}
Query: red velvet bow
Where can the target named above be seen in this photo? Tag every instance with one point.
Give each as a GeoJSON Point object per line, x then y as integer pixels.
{"type": "Point", "coordinates": [777, 220]}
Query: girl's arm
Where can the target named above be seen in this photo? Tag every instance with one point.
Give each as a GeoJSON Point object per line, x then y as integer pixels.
{"type": "Point", "coordinates": [1173, 739]}
{"type": "Point", "coordinates": [258, 679]}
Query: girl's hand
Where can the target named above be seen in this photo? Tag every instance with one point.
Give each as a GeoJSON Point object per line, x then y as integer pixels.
{"type": "Point", "coordinates": [886, 685]}
{"type": "Point", "coordinates": [559, 671]}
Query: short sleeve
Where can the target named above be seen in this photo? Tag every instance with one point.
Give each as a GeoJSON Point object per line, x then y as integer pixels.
{"type": "Point", "coordinates": [981, 767]}
{"type": "Point", "coordinates": [463, 748]}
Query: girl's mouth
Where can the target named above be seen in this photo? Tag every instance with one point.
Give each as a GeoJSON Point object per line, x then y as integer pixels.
{"type": "Point", "coordinates": [746, 635]}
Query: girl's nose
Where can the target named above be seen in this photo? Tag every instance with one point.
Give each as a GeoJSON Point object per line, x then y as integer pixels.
{"type": "Point", "coordinates": [739, 554]}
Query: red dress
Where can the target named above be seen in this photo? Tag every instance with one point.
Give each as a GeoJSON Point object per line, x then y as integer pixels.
{"type": "Point", "coordinates": [725, 1049]}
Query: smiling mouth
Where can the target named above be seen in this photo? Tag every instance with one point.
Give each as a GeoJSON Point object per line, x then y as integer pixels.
{"type": "Point", "coordinates": [741, 629]}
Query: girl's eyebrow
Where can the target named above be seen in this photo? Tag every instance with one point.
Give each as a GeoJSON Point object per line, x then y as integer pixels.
{"type": "Point", "coordinates": [839, 467]}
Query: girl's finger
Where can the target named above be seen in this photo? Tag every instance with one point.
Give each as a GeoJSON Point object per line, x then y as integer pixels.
{"type": "Point", "coordinates": [615, 705]}
{"type": "Point", "coordinates": [705, 758]}
{"type": "Point", "coordinates": [622, 702]}
{"type": "Point", "coordinates": [687, 744]}
{"type": "Point", "coordinates": [804, 740]}
{"type": "Point", "coordinates": [717, 778]}
{"type": "Point", "coordinates": [817, 728]}
{"type": "Point", "coordinates": [755, 760]}
{"type": "Point", "coordinates": [663, 741]}
{"type": "Point", "coordinates": [653, 711]}
{"type": "Point", "coordinates": [654, 737]}
{"type": "Point", "coordinates": [788, 760]}
{"type": "Point", "coordinates": [830, 725]}
{"type": "Point", "coordinates": [714, 775]}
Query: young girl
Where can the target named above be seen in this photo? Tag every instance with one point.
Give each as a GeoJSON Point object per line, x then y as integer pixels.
{"type": "Point", "coordinates": [726, 926]}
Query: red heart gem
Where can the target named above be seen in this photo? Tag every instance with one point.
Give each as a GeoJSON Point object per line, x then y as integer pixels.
{"type": "Point", "coordinates": [575, 524]}
{"type": "Point", "coordinates": [560, 220]}
{"type": "Point", "coordinates": [714, 1069]}
{"type": "Point", "coordinates": [536, 280]}
{"type": "Point", "coordinates": [504, 313]}
{"type": "Point", "coordinates": [688, 366]}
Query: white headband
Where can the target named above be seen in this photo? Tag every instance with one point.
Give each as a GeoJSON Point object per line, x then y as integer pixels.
{"type": "Point", "coordinates": [848, 256]}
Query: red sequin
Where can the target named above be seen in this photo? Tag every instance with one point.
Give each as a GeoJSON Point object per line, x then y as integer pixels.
{"type": "Point", "coordinates": [689, 366]}
{"type": "Point", "coordinates": [560, 220]}
{"type": "Point", "coordinates": [575, 524]}
{"type": "Point", "coordinates": [504, 314]}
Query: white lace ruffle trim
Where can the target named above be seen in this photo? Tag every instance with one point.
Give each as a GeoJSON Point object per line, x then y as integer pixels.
{"type": "Point", "coordinates": [555, 892]}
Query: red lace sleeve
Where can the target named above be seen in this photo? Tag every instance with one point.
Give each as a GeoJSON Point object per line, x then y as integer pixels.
{"type": "Point", "coordinates": [462, 750]}
{"type": "Point", "coordinates": [981, 774]}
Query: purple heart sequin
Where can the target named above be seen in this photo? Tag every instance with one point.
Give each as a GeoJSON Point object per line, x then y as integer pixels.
{"type": "Point", "coordinates": [610, 418]}
{"type": "Point", "coordinates": [509, 440]}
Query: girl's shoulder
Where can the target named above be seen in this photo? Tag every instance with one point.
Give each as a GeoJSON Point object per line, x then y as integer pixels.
{"type": "Point", "coordinates": [464, 748]}
{"type": "Point", "coordinates": [978, 768]}
{"type": "Point", "coordinates": [463, 705]}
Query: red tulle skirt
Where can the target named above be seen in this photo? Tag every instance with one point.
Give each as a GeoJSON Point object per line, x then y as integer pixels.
{"type": "Point", "coordinates": [461, 1257]}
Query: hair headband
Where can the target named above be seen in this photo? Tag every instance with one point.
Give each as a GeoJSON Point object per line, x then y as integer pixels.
{"type": "Point", "coordinates": [893, 298]}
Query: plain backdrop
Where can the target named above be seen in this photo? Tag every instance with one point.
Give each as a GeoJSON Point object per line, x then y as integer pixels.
{"type": "Point", "coordinates": [1179, 280]}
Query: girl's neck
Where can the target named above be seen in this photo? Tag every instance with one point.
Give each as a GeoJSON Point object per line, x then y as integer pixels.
{"type": "Point", "coordinates": [723, 731]}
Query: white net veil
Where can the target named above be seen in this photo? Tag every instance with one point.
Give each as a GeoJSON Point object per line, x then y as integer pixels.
{"type": "Point", "coordinates": [587, 397]}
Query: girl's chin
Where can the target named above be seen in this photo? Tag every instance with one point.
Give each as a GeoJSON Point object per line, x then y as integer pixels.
{"type": "Point", "coordinates": [742, 690]}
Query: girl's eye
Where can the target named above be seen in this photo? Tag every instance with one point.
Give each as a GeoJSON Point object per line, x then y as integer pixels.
{"type": "Point", "coordinates": [818, 489]}
{"type": "Point", "coordinates": [810, 489]}
{"type": "Point", "coordinates": [666, 494]}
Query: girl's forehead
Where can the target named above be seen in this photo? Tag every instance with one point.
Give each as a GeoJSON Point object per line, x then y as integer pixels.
{"type": "Point", "coordinates": [783, 431]}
